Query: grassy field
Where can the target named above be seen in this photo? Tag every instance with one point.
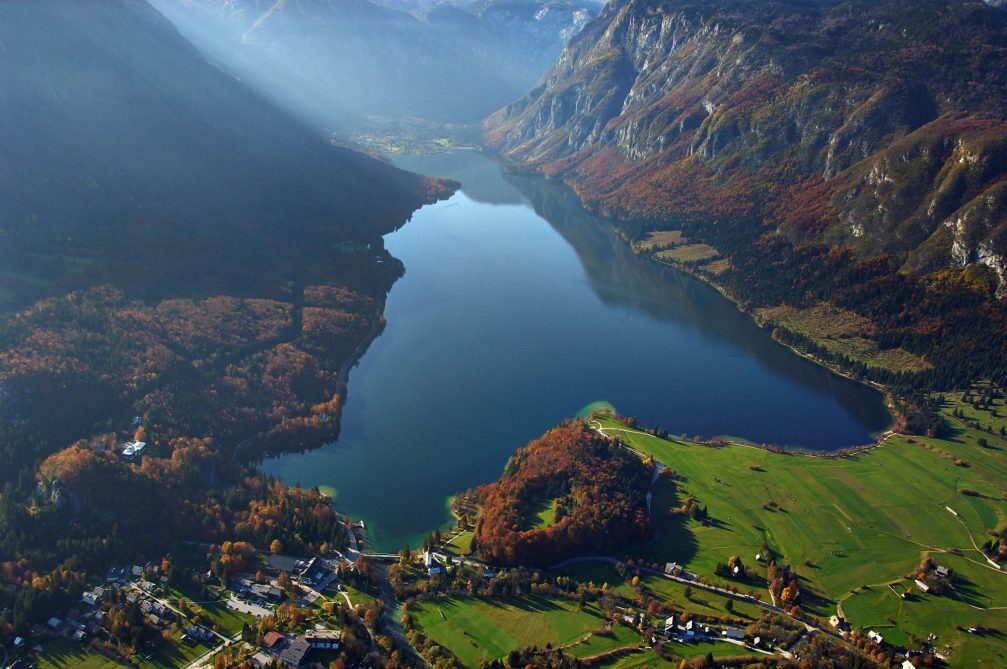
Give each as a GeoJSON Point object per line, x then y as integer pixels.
{"type": "Point", "coordinates": [866, 519]}
{"type": "Point", "coordinates": [618, 637]}
{"type": "Point", "coordinates": [698, 648]}
{"type": "Point", "coordinates": [63, 653]}
{"type": "Point", "coordinates": [358, 597]}
{"type": "Point", "coordinates": [660, 239]}
{"type": "Point", "coordinates": [174, 654]}
{"type": "Point", "coordinates": [213, 614]}
{"type": "Point", "coordinates": [473, 629]}
{"type": "Point", "coordinates": [460, 544]}
{"type": "Point", "coordinates": [666, 590]}
{"type": "Point", "coordinates": [642, 660]}
{"type": "Point", "coordinates": [841, 331]}
{"type": "Point", "coordinates": [717, 266]}
{"type": "Point", "coordinates": [648, 659]}
{"type": "Point", "coordinates": [689, 253]}
{"type": "Point", "coordinates": [543, 515]}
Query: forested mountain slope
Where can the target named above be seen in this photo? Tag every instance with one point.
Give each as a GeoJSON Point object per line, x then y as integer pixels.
{"type": "Point", "coordinates": [127, 158]}
{"type": "Point", "coordinates": [866, 138]}
{"type": "Point", "coordinates": [180, 263]}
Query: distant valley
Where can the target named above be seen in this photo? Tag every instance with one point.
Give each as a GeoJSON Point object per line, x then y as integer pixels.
{"type": "Point", "coordinates": [335, 63]}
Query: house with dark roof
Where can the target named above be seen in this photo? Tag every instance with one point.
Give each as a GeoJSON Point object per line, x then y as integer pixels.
{"type": "Point", "coordinates": [266, 592]}
{"type": "Point", "coordinates": [285, 563]}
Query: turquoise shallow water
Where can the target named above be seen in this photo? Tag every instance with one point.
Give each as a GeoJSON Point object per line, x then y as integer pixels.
{"type": "Point", "coordinates": [517, 310]}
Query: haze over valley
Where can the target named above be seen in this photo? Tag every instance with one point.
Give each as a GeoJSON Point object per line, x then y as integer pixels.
{"type": "Point", "coordinates": [503, 333]}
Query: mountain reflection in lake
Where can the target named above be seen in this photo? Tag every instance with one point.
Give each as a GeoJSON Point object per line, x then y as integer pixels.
{"type": "Point", "coordinates": [517, 309]}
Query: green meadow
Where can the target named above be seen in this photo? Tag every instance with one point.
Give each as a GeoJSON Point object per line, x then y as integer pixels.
{"type": "Point", "coordinates": [543, 515]}
{"type": "Point", "coordinates": [670, 592]}
{"type": "Point", "coordinates": [849, 522]}
{"type": "Point", "coordinates": [475, 629]}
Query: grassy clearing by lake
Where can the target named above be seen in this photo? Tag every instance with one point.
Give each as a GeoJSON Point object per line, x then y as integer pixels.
{"type": "Point", "coordinates": [473, 629]}
{"type": "Point", "coordinates": [689, 253]}
{"type": "Point", "coordinates": [863, 519]}
{"type": "Point", "coordinates": [841, 331]}
{"type": "Point", "coordinates": [660, 239]}
{"type": "Point", "coordinates": [717, 266]}
{"type": "Point", "coordinates": [460, 544]}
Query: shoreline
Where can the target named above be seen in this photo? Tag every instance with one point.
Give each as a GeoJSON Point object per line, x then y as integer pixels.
{"type": "Point", "coordinates": [833, 369]}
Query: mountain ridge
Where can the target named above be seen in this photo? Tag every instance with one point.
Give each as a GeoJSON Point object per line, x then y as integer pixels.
{"type": "Point", "coordinates": [118, 145]}
{"type": "Point", "coordinates": [665, 82]}
{"type": "Point", "coordinates": [819, 150]}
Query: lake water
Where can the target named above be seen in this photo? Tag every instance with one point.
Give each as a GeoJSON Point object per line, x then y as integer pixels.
{"type": "Point", "coordinates": [516, 311]}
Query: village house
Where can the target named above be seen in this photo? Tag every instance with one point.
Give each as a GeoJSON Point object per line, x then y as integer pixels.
{"type": "Point", "coordinates": [265, 592]}
{"type": "Point", "coordinates": [197, 634]}
{"type": "Point", "coordinates": [133, 450]}
{"type": "Point", "coordinates": [323, 639]}
{"type": "Point", "coordinates": [260, 660]}
{"type": "Point", "coordinates": [116, 574]}
{"type": "Point", "coordinates": [274, 642]}
{"type": "Point", "coordinates": [94, 596]}
{"type": "Point", "coordinates": [875, 637]}
{"type": "Point", "coordinates": [295, 652]}
{"type": "Point", "coordinates": [673, 569]}
{"type": "Point", "coordinates": [922, 586]}
{"type": "Point", "coordinates": [734, 634]}
{"type": "Point", "coordinates": [942, 571]}
{"type": "Point", "coordinates": [291, 565]}
{"type": "Point", "coordinates": [312, 572]}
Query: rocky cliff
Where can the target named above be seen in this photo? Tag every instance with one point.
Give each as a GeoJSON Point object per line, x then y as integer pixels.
{"type": "Point", "coordinates": [879, 127]}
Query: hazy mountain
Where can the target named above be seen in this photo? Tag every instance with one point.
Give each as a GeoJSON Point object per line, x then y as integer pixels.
{"type": "Point", "coordinates": [126, 157]}
{"type": "Point", "coordinates": [332, 61]}
{"type": "Point", "coordinates": [880, 126]}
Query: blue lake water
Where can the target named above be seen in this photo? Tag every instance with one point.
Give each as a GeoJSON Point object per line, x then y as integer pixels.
{"type": "Point", "coordinates": [518, 309]}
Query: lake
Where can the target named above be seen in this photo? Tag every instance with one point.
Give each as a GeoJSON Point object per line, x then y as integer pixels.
{"type": "Point", "coordinates": [517, 310]}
